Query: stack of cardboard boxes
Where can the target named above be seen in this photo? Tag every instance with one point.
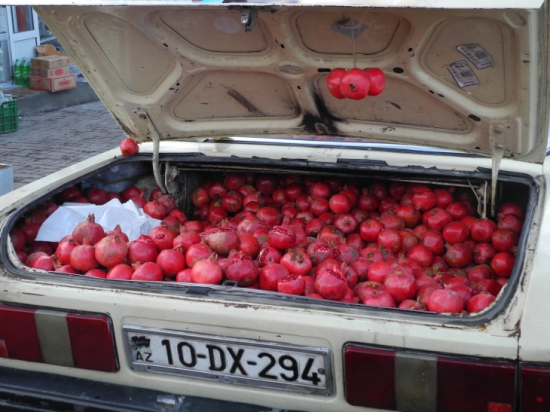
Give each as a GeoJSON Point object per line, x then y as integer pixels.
{"type": "Point", "coordinates": [51, 74]}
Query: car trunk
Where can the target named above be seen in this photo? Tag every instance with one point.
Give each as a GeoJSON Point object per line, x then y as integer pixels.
{"type": "Point", "coordinates": [354, 332]}
{"type": "Point", "coordinates": [184, 172]}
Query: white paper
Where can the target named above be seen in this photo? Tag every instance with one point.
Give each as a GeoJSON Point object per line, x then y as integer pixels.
{"type": "Point", "coordinates": [132, 220]}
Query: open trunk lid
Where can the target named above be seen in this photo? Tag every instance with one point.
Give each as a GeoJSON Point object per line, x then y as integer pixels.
{"type": "Point", "coordinates": [459, 79]}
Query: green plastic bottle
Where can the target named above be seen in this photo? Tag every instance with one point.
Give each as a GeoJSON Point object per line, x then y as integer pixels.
{"type": "Point", "coordinates": [25, 71]}
{"type": "Point", "coordinates": [17, 73]}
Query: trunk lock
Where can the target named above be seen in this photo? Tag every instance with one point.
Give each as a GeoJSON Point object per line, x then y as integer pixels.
{"type": "Point", "coordinates": [249, 17]}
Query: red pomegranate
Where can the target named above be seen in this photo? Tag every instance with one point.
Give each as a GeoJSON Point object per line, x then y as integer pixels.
{"type": "Point", "coordinates": [512, 222]}
{"type": "Point", "coordinates": [197, 252]}
{"type": "Point", "coordinates": [483, 253]}
{"type": "Point", "coordinates": [424, 201]}
{"type": "Point", "coordinates": [445, 301]}
{"type": "Point", "coordinates": [233, 181]}
{"type": "Point", "coordinates": [455, 232]}
{"type": "Point", "coordinates": [436, 219]}
{"type": "Point", "coordinates": [244, 271]}
{"type": "Point", "coordinates": [148, 271]}
{"type": "Point", "coordinates": [249, 244]}
{"type": "Point", "coordinates": [96, 273]}
{"type": "Point", "coordinates": [142, 250]}
{"type": "Point", "coordinates": [222, 241]}
{"type": "Point", "coordinates": [482, 229]}
{"type": "Point", "coordinates": [162, 237]}
{"type": "Point", "coordinates": [400, 285]}
{"type": "Point", "coordinates": [155, 209]}
{"type": "Point", "coordinates": [44, 263]}
{"type": "Point", "coordinates": [89, 230]}
{"type": "Point", "coordinates": [458, 255]}
{"type": "Point", "coordinates": [268, 255]}
{"type": "Point", "coordinates": [171, 261]}
{"type": "Point", "coordinates": [83, 257]}
{"type": "Point", "coordinates": [503, 264]}
{"type": "Point", "coordinates": [422, 254]}
{"type": "Point", "coordinates": [504, 240]}
{"type": "Point", "coordinates": [509, 209]}
{"type": "Point", "coordinates": [331, 285]}
{"type": "Point", "coordinates": [64, 249]}
{"type": "Point", "coordinates": [340, 204]}
{"type": "Point", "coordinates": [111, 251]}
{"type": "Point", "coordinates": [479, 302]}
{"type": "Point", "coordinates": [271, 274]}
{"type": "Point", "coordinates": [120, 272]}
{"type": "Point", "coordinates": [95, 196]}
{"type": "Point", "coordinates": [433, 240]}
{"type": "Point", "coordinates": [184, 276]}
{"type": "Point", "coordinates": [118, 231]}
{"type": "Point", "coordinates": [282, 237]}
{"type": "Point", "coordinates": [296, 262]}
{"type": "Point", "coordinates": [292, 285]}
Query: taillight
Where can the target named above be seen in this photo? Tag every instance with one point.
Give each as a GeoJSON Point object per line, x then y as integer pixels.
{"type": "Point", "coordinates": [535, 388]}
{"type": "Point", "coordinates": [407, 381]}
{"type": "Point", "coordinates": [57, 338]}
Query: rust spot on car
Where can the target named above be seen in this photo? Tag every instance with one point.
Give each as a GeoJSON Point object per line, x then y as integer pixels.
{"type": "Point", "coordinates": [124, 128]}
{"type": "Point", "coordinates": [241, 306]}
{"type": "Point", "coordinates": [482, 328]}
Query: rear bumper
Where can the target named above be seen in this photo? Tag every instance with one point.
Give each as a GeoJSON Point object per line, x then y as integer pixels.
{"type": "Point", "coordinates": [37, 391]}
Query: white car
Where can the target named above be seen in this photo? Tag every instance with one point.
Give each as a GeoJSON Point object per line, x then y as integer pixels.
{"type": "Point", "coordinates": [215, 90]}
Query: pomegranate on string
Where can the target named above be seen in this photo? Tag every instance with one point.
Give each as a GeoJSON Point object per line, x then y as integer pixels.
{"type": "Point", "coordinates": [356, 84]}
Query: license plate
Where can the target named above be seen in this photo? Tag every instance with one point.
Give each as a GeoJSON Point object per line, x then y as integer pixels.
{"type": "Point", "coordinates": [249, 362]}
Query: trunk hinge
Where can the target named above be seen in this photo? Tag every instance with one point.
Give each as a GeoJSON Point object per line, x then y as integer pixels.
{"type": "Point", "coordinates": [497, 150]}
{"type": "Point", "coordinates": [249, 17]}
{"type": "Point", "coordinates": [156, 150]}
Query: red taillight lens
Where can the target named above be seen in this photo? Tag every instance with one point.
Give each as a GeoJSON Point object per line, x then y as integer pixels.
{"type": "Point", "coordinates": [57, 337]}
{"type": "Point", "coordinates": [370, 377]}
{"type": "Point", "coordinates": [535, 388]}
{"type": "Point", "coordinates": [18, 331]}
{"type": "Point", "coordinates": [406, 381]}
{"type": "Point", "coordinates": [472, 385]}
{"type": "Point", "coordinates": [91, 342]}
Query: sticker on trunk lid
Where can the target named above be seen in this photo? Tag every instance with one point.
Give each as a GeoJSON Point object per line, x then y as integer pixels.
{"type": "Point", "coordinates": [477, 55]}
{"type": "Point", "coordinates": [463, 73]}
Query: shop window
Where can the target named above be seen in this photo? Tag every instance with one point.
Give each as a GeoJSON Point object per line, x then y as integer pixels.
{"type": "Point", "coordinates": [22, 19]}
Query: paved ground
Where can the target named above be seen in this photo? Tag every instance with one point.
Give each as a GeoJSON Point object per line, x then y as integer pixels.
{"type": "Point", "coordinates": [48, 142]}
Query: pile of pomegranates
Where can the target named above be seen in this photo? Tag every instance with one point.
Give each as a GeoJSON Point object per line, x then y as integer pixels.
{"type": "Point", "coordinates": [392, 244]}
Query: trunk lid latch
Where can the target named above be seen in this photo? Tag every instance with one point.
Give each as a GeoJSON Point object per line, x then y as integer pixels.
{"type": "Point", "coordinates": [249, 17]}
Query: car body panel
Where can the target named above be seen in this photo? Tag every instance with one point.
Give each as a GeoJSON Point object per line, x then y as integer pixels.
{"type": "Point", "coordinates": [534, 333]}
{"type": "Point", "coordinates": [191, 73]}
{"type": "Point", "coordinates": [221, 312]}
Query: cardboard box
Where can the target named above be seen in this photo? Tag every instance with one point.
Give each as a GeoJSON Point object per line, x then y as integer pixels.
{"type": "Point", "coordinates": [50, 62]}
{"type": "Point", "coordinates": [50, 73]}
{"type": "Point", "coordinates": [55, 84]}
{"type": "Point", "coordinates": [48, 50]}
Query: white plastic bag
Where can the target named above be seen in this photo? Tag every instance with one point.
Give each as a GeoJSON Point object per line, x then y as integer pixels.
{"type": "Point", "coordinates": [132, 220]}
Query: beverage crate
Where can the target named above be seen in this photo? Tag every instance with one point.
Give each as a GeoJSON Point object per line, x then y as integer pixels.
{"type": "Point", "coordinates": [9, 120]}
